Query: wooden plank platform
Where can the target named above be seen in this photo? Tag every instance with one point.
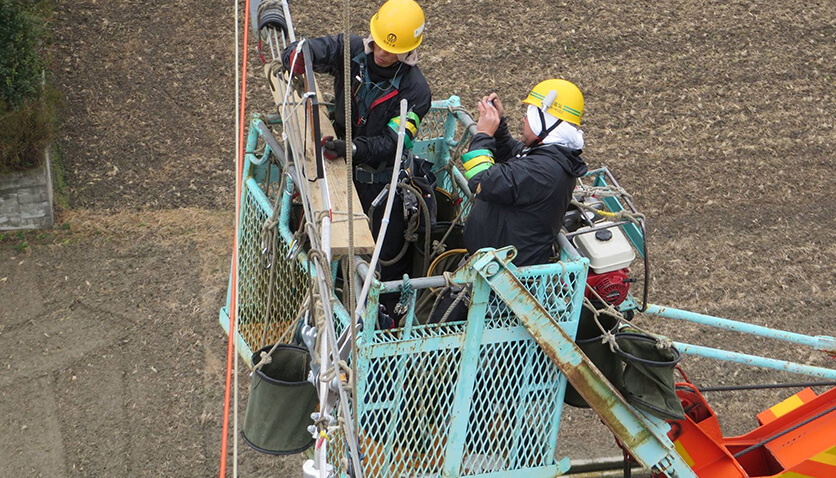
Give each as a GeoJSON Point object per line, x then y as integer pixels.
{"type": "Point", "coordinates": [338, 189]}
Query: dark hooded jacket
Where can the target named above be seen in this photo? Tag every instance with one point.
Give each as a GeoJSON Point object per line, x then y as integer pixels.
{"type": "Point", "coordinates": [376, 97]}
{"type": "Point", "coordinates": [523, 196]}
{"type": "Point", "coordinates": [373, 105]}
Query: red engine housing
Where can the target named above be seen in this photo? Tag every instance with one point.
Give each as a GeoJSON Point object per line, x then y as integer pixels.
{"type": "Point", "coordinates": [612, 286]}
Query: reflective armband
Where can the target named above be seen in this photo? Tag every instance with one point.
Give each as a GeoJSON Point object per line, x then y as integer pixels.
{"type": "Point", "coordinates": [411, 130]}
{"type": "Point", "coordinates": [476, 161]}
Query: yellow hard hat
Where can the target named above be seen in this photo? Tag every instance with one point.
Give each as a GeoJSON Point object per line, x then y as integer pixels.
{"type": "Point", "coordinates": [566, 99]}
{"type": "Point", "coordinates": [398, 27]}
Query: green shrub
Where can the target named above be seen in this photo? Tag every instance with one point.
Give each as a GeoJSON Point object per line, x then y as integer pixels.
{"type": "Point", "coordinates": [27, 105]}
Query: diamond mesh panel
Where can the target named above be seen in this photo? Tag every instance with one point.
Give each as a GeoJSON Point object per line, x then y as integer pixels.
{"type": "Point", "coordinates": [509, 403]}
{"type": "Point", "coordinates": [553, 291]}
{"type": "Point", "coordinates": [432, 140]}
{"type": "Point", "coordinates": [511, 414]}
{"type": "Point", "coordinates": [406, 410]}
{"type": "Point", "coordinates": [289, 281]}
{"type": "Point", "coordinates": [432, 125]}
{"type": "Point", "coordinates": [513, 405]}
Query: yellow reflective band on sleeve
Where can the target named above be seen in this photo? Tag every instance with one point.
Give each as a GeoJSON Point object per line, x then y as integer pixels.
{"type": "Point", "coordinates": [476, 152]}
{"type": "Point", "coordinates": [469, 173]}
{"type": "Point", "coordinates": [476, 161]}
{"type": "Point", "coordinates": [473, 162]}
{"type": "Point", "coordinates": [410, 130]}
{"type": "Point", "coordinates": [395, 122]}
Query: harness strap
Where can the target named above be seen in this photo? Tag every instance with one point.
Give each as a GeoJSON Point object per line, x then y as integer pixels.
{"type": "Point", "coordinates": [365, 175]}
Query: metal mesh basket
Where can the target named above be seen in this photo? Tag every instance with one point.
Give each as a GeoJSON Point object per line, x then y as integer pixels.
{"type": "Point", "coordinates": [257, 308]}
{"type": "Point", "coordinates": [465, 398]}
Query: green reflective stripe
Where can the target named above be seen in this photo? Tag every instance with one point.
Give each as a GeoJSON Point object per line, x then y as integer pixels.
{"type": "Point", "coordinates": [411, 129]}
{"type": "Point", "coordinates": [476, 152]}
{"type": "Point", "coordinates": [394, 123]}
{"type": "Point", "coordinates": [478, 169]}
{"type": "Point", "coordinates": [411, 121]}
{"type": "Point", "coordinates": [571, 111]}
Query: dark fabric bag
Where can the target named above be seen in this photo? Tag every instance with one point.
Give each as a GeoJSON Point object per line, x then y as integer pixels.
{"type": "Point", "coordinates": [588, 339]}
{"type": "Point", "coordinates": [649, 375]}
{"type": "Point", "coordinates": [456, 300]}
{"type": "Point", "coordinates": [281, 402]}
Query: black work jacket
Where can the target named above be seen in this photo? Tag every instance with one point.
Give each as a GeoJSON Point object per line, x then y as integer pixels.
{"type": "Point", "coordinates": [372, 107]}
{"type": "Point", "coordinates": [523, 197]}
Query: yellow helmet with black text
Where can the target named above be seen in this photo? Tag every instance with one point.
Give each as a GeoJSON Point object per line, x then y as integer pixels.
{"type": "Point", "coordinates": [563, 99]}
{"type": "Point", "coordinates": [398, 27]}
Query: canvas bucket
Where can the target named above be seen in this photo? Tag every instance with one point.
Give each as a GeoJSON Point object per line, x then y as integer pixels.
{"type": "Point", "coordinates": [281, 402]}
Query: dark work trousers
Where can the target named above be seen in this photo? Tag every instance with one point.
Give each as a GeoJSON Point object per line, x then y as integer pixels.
{"type": "Point", "coordinates": [394, 240]}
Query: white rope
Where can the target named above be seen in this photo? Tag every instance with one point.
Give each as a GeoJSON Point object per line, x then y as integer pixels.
{"type": "Point", "coordinates": [316, 254]}
{"type": "Point", "coordinates": [384, 223]}
{"type": "Point", "coordinates": [603, 191]}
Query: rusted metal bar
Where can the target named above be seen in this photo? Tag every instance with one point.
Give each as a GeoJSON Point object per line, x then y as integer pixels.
{"type": "Point", "coordinates": [644, 436]}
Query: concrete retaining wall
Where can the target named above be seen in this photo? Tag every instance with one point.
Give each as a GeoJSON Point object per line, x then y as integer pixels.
{"type": "Point", "coordinates": [26, 198]}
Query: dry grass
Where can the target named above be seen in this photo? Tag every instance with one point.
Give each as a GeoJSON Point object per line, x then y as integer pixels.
{"type": "Point", "coordinates": [210, 231]}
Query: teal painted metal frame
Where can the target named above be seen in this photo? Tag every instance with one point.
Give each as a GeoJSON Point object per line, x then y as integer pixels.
{"type": "Point", "coordinates": [470, 344]}
{"type": "Point", "coordinates": [256, 169]}
{"type": "Point", "coordinates": [649, 443]}
{"type": "Point", "coordinates": [822, 343]}
{"type": "Point", "coordinates": [644, 436]}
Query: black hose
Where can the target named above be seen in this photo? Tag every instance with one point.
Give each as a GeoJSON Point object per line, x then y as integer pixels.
{"type": "Point", "coordinates": [766, 386]}
{"type": "Point", "coordinates": [428, 229]}
{"type": "Point", "coordinates": [427, 224]}
{"type": "Point", "coordinates": [779, 435]}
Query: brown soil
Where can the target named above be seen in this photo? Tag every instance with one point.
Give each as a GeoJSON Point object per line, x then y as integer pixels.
{"type": "Point", "coordinates": [718, 116]}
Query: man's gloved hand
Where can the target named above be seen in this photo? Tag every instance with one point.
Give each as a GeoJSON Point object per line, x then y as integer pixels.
{"type": "Point", "coordinates": [333, 148]}
{"type": "Point", "coordinates": [297, 63]}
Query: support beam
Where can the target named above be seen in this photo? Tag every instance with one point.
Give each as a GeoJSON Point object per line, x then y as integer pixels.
{"type": "Point", "coordinates": [334, 170]}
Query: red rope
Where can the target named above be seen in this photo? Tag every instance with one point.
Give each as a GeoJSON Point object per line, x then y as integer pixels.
{"type": "Point", "coordinates": [239, 168]}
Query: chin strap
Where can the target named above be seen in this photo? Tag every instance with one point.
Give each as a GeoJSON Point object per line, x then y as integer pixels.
{"type": "Point", "coordinates": [547, 101]}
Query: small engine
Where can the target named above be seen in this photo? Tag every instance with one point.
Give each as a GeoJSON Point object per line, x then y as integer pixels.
{"type": "Point", "coordinates": [609, 253]}
{"type": "Point", "coordinates": [611, 286]}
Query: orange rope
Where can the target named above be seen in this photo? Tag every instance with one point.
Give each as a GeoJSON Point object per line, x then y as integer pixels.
{"type": "Point", "coordinates": [233, 312]}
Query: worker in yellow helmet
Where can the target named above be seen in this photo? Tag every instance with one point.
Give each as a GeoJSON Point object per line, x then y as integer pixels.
{"type": "Point", "coordinates": [523, 188]}
{"type": "Point", "coordinates": [384, 70]}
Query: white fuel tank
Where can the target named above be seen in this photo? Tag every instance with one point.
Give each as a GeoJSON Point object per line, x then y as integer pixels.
{"type": "Point", "coordinates": [606, 249]}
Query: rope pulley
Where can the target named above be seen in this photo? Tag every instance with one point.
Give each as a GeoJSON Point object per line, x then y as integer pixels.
{"type": "Point", "coordinates": [271, 14]}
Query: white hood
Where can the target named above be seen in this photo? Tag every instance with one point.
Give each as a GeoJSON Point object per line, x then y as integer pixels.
{"type": "Point", "coordinates": [566, 134]}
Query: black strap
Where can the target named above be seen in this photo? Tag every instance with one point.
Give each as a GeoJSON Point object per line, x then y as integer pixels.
{"type": "Point", "coordinates": [543, 130]}
{"type": "Point", "coordinates": [364, 176]}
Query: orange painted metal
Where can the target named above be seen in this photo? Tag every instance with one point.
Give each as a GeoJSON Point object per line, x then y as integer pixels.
{"type": "Point", "coordinates": [796, 451]}
{"type": "Point", "coordinates": [698, 438]}
{"type": "Point", "coordinates": [808, 451]}
{"type": "Point", "coordinates": [776, 411]}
